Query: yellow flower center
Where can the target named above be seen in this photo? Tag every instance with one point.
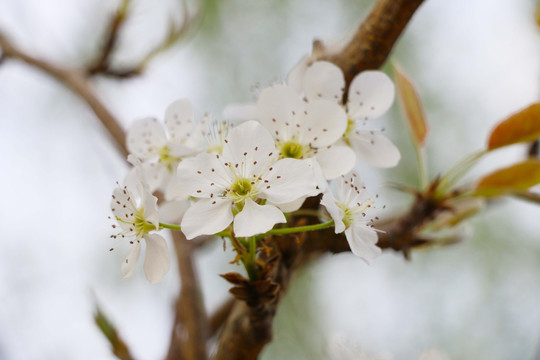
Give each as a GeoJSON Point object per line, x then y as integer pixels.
{"type": "Point", "coordinates": [291, 149]}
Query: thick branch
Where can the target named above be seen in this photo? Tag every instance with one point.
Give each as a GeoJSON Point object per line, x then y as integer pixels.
{"type": "Point", "coordinates": [374, 40]}
{"type": "Point", "coordinates": [78, 83]}
{"type": "Point", "coordinates": [190, 329]}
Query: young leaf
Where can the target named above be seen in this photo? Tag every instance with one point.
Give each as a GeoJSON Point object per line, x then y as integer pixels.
{"type": "Point", "coordinates": [119, 347]}
{"type": "Point", "coordinates": [517, 177]}
{"type": "Point", "coordinates": [412, 106]}
{"type": "Point", "coordinates": [523, 126]}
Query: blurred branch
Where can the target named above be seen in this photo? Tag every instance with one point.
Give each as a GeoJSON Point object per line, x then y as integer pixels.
{"type": "Point", "coordinates": [220, 315]}
{"type": "Point", "coordinates": [534, 149]}
{"type": "Point", "coordinates": [190, 329]}
{"type": "Point", "coordinates": [119, 347]}
{"type": "Point", "coordinates": [175, 34]}
{"type": "Point", "coordinates": [374, 39]}
{"type": "Point", "coordinates": [78, 83]}
{"type": "Point", "coordinates": [249, 326]}
{"type": "Point", "coordinates": [102, 63]}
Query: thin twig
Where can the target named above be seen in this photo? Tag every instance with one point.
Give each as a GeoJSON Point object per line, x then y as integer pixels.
{"type": "Point", "coordinates": [102, 63]}
{"type": "Point", "coordinates": [78, 83]}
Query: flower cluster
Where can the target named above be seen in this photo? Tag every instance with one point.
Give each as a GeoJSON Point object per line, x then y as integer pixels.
{"type": "Point", "coordinates": [240, 181]}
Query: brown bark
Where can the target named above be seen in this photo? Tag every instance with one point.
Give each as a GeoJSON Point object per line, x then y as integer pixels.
{"type": "Point", "coordinates": [375, 38]}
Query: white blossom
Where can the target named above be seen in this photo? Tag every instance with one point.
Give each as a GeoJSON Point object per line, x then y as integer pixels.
{"type": "Point", "coordinates": [371, 93]}
{"type": "Point", "coordinates": [349, 208]}
{"type": "Point", "coordinates": [136, 213]}
{"type": "Point", "coordinates": [160, 150]}
{"type": "Point", "coordinates": [243, 183]}
{"type": "Point", "coordinates": [306, 129]}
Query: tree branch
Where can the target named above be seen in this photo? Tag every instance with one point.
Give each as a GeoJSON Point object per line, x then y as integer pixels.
{"type": "Point", "coordinates": [249, 327]}
{"type": "Point", "coordinates": [190, 329]}
{"type": "Point", "coordinates": [102, 63]}
{"type": "Point", "coordinates": [375, 38]}
{"type": "Point", "coordinates": [75, 80]}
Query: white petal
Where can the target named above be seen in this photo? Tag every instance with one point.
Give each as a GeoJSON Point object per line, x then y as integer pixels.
{"type": "Point", "coordinates": [350, 190]}
{"type": "Point", "coordinates": [324, 123]}
{"type": "Point", "coordinates": [246, 111]}
{"type": "Point", "coordinates": [324, 80]}
{"type": "Point", "coordinates": [202, 176]}
{"type": "Point", "coordinates": [288, 180]}
{"type": "Point", "coordinates": [371, 94]}
{"type": "Point", "coordinates": [250, 146]}
{"type": "Point", "coordinates": [123, 206]}
{"type": "Point", "coordinates": [157, 260]}
{"type": "Point", "coordinates": [375, 149]}
{"type": "Point", "coordinates": [291, 206]}
{"type": "Point", "coordinates": [151, 213]}
{"type": "Point", "coordinates": [336, 160]}
{"type": "Point", "coordinates": [179, 118]}
{"type": "Point", "coordinates": [362, 241]}
{"type": "Point", "coordinates": [171, 212]}
{"type": "Point", "coordinates": [151, 172]}
{"type": "Point", "coordinates": [128, 266]}
{"type": "Point", "coordinates": [295, 78]}
{"type": "Point", "coordinates": [205, 217]}
{"type": "Point", "coordinates": [337, 214]}
{"type": "Point", "coordinates": [145, 138]}
{"type": "Point", "coordinates": [256, 219]}
{"type": "Point", "coordinates": [318, 175]}
{"type": "Point", "coordinates": [280, 108]}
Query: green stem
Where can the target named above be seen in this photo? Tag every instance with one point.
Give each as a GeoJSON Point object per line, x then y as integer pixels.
{"type": "Point", "coordinates": [297, 229]}
{"type": "Point", "coordinates": [422, 167]}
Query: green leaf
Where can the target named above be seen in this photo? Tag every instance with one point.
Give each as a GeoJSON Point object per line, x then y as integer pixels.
{"type": "Point", "coordinates": [518, 177]}
{"type": "Point", "coordinates": [119, 347]}
{"type": "Point", "coordinates": [523, 126]}
{"type": "Point", "coordinates": [412, 106]}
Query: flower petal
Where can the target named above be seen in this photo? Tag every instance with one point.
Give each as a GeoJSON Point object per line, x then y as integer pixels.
{"type": "Point", "coordinates": [288, 180]}
{"type": "Point", "coordinates": [157, 260]}
{"type": "Point", "coordinates": [362, 241]}
{"type": "Point", "coordinates": [324, 123]}
{"type": "Point", "coordinates": [207, 217]}
{"type": "Point", "coordinates": [280, 107]}
{"type": "Point", "coordinates": [201, 176]}
{"type": "Point", "coordinates": [145, 138]}
{"type": "Point", "coordinates": [371, 94]}
{"type": "Point", "coordinates": [295, 78]}
{"type": "Point", "coordinates": [250, 147]}
{"type": "Point", "coordinates": [171, 212]}
{"type": "Point", "coordinates": [337, 214]}
{"type": "Point", "coordinates": [291, 206]}
{"type": "Point", "coordinates": [128, 266]}
{"type": "Point", "coordinates": [336, 160]}
{"type": "Point", "coordinates": [151, 213]}
{"type": "Point", "coordinates": [256, 219]}
{"type": "Point", "coordinates": [245, 111]}
{"type": "Point", "coordinates": [123, 207]}
{"type": "Point", "coordinates": [375, 149]}
{"type": "Point", "coordinates": [179, 118]}
{"type": "Point", "coordinates": [324, 80]}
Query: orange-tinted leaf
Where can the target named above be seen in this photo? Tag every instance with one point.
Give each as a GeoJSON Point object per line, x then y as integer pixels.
{"type": "Point", "coordinates": [517, 177]}
{"type": "Point", "coordinates": [523, 126]}
{"type": "Point", "coordinates": [412, 106]}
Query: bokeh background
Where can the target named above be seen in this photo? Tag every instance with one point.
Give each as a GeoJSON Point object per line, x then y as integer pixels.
{"type": "Point", "coordinates": [474, 62]}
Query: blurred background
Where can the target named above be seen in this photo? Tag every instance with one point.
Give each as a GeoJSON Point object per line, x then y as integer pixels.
{"type": "Point", "coordinates": [474, 63]}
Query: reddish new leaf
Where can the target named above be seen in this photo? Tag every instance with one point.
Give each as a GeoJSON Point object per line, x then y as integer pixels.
{"type": "Point", "coordinates": [517, 177]}
{"type": "Point", "coordinates": [414, 111]}
{"type": "Point", "coordinates": [523, 126]}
